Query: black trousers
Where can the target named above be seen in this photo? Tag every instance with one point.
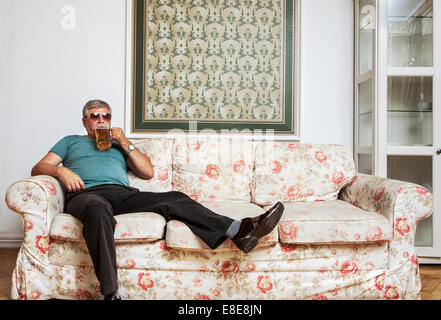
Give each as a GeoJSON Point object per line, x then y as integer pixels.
{"type": "Point", "coordinates": [95, 207]}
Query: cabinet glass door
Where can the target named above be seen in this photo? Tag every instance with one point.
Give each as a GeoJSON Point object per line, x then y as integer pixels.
{"type": "Point", "coordinates": [410, 33]}
{"type": "Point", "coordinates": [365, 113]}
{"type": "Point", "coordinates": [409, 111]}
{"type": "Point", "coordinates": [366, 18]}
{"type": "Point", "coordinates": [365, 86]}
{"type": "Point", "coordinates": [365, 163]}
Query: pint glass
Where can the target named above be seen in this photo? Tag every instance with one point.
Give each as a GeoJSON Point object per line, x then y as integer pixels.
{"type": "Point", "coordinates": [102, 134]}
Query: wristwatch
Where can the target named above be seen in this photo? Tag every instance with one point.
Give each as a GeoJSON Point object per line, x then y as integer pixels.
{"type": "Point", "coordinates": [130, 148]}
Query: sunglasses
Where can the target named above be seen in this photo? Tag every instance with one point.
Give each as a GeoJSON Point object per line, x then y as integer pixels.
{"type": "Point", "coordinates": [96, 116]}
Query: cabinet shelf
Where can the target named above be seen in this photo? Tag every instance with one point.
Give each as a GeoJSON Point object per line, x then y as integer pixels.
{"type": "Point", "coordinates": [398, 111]}
{"type": "Point", "coordinates": [416, 149]}
{"type": "Point", "coordinates": [409, 111]}
{"type": "Point", "coordinates": [409, 17]}
{"type": "Point", "coordinates": [410, 71]}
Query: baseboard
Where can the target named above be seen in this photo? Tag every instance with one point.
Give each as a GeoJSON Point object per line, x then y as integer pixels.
{"type": "Point", "coordinates": [10, 241]}
{"type": "Point", "coordinates": [429, 260]}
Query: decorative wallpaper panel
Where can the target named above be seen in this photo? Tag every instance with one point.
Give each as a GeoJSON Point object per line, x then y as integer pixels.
{"type": "Point", "coordinates": [225, 64]}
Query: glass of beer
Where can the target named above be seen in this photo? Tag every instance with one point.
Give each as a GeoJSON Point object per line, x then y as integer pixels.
{"type": "Point", "coordinates": [102, 134]}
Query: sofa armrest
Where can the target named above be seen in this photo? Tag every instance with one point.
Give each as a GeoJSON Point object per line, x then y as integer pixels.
{"type": "Point", "coordinates": [37, 199]}
{"type": "Point", "coordinates": [402, 203]}
{"type": "Point", "coordinates": [385, 196]}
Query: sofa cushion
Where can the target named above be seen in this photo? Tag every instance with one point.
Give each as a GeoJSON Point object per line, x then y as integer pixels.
{"type": "Point", "coordinates": [286, 171]}
{"type": "Point", "coordinates": [213, 169]}
{"type": "Point", "coordinates": [130, 227]}
{"type": "Point", "coordinates": [333, 221]}
{"type": "Point", "coordinates": [159, 150]}
{"type": "Point", "coordinates": [178, 235]}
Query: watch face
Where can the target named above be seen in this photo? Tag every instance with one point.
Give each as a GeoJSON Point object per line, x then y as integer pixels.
{"type": "Point", "coordinates": [131, 147]}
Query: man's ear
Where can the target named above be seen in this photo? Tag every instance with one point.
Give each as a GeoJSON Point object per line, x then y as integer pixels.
{"type": "Point", "coordinates": [84, 121]}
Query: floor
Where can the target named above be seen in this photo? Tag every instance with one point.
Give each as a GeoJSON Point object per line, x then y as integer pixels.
{"type": "Point", "coordinates": [430, 277]}
{"type": "Point", "coordinates": [7, 258]}
{"type": "Point", "coordinates": [430, 281]}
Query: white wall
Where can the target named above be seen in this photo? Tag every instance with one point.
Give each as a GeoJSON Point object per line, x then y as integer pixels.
{"type": "Point", "coordinates": [326, 79]}
{"type": "Point", "coordinates": [47, 73]}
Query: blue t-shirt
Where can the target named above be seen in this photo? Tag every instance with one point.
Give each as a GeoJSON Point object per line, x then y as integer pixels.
{"type": "Point", "coordinates": [95, 167]}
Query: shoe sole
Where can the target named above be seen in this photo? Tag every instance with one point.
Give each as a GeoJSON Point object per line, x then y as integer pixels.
{"type": "Point", "coordinates": [265, 229]}
{"type": "Point", "coordinates": [250, 243]}
{"type": "Point", "coordinates": [254, 236]}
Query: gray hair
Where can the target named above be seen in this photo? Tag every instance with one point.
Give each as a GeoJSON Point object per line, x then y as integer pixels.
{"type": "Point", "coordinates": [95, 104]}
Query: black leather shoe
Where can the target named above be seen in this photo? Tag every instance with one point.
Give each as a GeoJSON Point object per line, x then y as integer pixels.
{"type": "Point", "coordinates": [112, 296]}
{"type": "Point", "coordinates": [252, 229]}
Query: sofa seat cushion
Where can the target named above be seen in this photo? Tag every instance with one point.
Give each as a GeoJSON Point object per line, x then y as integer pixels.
{"type": "Point", "coordinates": [179, 236]}
{"type": "Point", "coordinates": [130, 227]}
{"type": "Point", "coordinates": [333, 221]}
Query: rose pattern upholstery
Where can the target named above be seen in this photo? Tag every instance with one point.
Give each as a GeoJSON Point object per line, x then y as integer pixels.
{"type": "Point", "coordinates": [38, 199]}
{"type": "Point", "coordinates": [213, 169]}
{"type": "Point", "coordinates": [290, 172]}
{"type": "Point", "coordinates": [333, 221]}
{"type": "Point", "coordinates": [159, 151]}
{"type": "Point", "coordinates": [180, 236]}
{"type": "Point", "coordinates": [403, 204]}
{"type": "Point", "coordinates": [376, 262]}
{"type": "Point", "coordinates": [136, 226]}
{"type": "Point", "coordinates": [220, 275]}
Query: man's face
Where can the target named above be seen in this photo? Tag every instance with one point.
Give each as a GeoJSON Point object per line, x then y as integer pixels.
{"type": "Point", "coordinates": [96, 115]}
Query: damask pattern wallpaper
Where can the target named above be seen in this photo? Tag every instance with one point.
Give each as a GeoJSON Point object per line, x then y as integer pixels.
{"type": "Point", "coordinates": [222, 63]}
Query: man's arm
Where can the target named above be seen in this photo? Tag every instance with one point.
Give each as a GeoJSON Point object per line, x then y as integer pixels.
{"type": "Point", "coordinates": [139, 163]}
{"type": "Point", "coordinates": [49, 165]}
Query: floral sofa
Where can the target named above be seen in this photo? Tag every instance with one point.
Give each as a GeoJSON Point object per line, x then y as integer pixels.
{"type": "Point", "coordinates": [343, 235]}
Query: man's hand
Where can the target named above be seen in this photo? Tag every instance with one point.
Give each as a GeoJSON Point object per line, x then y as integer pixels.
{"type": "Point", "coordinates": [71, 180]}
{"type": "Point", "coordinates": [138, 162]}
{"type": "Point", "coordinates": [49, 166]}
{"type": "Point", "coordinates": [118, 135]}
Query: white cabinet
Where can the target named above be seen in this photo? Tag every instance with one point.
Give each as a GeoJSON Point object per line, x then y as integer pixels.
{"type": "Point", "coordinates": [398, 100]}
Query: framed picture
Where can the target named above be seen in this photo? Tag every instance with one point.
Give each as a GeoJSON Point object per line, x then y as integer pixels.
{"type": "Point", "coordinates": [219, 65]}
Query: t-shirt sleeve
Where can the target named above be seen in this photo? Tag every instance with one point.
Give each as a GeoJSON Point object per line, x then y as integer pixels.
{"type": "Point", "coordinates": [60, 148]}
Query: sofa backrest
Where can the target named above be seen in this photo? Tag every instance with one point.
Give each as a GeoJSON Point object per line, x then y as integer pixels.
{"type": "Point", "coordinates": [213, 169]}
{"type": "Point", "coordinates": [239, 169]}
{"type": "Point", "coordinates": [288, 172]}
{"type": "Point", "coordinates": [160, 152]}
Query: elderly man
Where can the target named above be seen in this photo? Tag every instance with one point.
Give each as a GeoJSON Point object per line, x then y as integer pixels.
{"type": "Point", "coordinates": [98, 188]}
